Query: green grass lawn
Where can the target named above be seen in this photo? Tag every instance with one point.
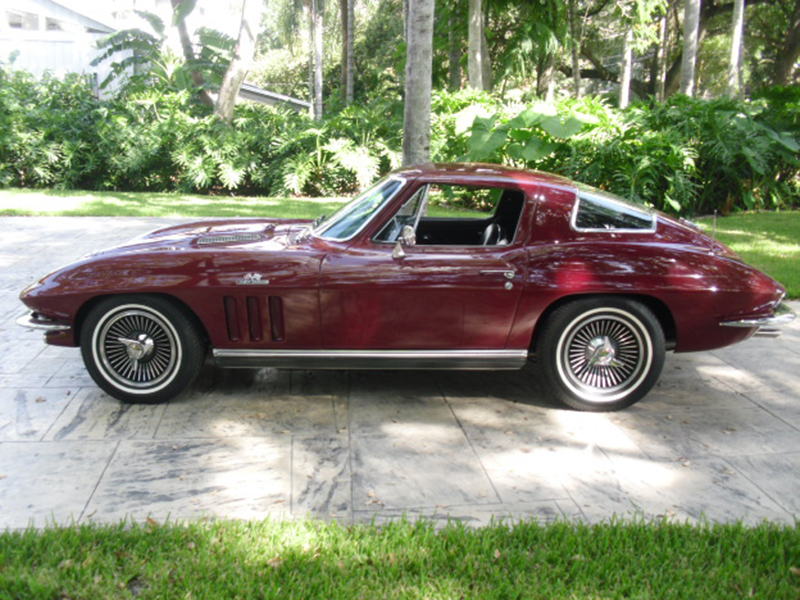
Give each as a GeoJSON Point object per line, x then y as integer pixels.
{"type": "Point", "coordinates": [314, 559]}
{"type": "Point", "coordinates": [39, 203]}
{"type": "Point", "coordinates": [768, 240]}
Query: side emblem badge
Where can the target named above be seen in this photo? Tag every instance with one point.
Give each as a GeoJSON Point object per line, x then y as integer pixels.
{"type": "Point", "coordinates": [252, 279]}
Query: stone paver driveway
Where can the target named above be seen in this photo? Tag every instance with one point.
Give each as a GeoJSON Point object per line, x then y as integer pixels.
{"type": "Point", "coordinates": [719, 438]}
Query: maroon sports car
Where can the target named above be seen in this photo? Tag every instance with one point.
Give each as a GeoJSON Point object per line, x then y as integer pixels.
{"type": "Point", "coordinates": [434, 267]}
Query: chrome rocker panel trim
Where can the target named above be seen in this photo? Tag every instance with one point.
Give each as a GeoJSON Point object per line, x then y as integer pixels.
{"type": "Point", "coordinates": [374, 359]}
{"type": "Point", "coordinates": [33, 321]}
{"type": "Point", "coordinates": [783, 315]}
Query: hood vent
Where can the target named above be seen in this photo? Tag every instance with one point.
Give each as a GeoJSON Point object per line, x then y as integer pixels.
{"type": "Point", "coordinates": [229, 238]}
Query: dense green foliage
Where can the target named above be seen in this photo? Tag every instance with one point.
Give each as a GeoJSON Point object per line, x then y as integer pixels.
{"type": "Point", "coordinates": [685, 156]}
{"type": "Point", "coordinates": [313, 559]}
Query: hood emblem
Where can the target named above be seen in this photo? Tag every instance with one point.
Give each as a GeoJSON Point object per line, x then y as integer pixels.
{"type": "Point", "coordinates": [252, 279]}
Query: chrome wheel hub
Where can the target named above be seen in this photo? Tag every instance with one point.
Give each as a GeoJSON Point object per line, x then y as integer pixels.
{"type": "Point", "coordinates": [138, 349]}
{"type": "Point", "coordinates": [600, 352]}
{"type": "Point", "coordinates": [604, 355]}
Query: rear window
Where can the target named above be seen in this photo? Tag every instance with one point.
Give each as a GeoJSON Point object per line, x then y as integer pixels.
{"type": "Point", "coordinates": [602, 212]}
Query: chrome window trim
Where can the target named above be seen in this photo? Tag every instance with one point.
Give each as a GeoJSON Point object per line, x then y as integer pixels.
{"type": "Point", "coordinates": [366, 223]}
{"type": "Point", "coordinates": [374, 359]}
{"type": "Point", "coordinates": [609, 200]}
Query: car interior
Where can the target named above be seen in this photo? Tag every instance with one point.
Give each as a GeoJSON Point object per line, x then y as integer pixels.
{"type": "Point", "coordinates": [491, 222]}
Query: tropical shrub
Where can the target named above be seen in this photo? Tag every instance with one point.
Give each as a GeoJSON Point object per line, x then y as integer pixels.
{"type": "Point", "coordinates": [48, 131]}
{"type": "Point", "coordinates": [685, 156]}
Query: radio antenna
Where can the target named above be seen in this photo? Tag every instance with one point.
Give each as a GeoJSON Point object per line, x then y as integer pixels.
{"type": "Point", "coordinates": [714, 230]}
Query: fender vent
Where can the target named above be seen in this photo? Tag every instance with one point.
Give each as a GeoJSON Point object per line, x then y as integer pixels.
{"type": "Point", "coordinates": [253, 319]}
{"type": "Point", "coordinates": [232, 238]}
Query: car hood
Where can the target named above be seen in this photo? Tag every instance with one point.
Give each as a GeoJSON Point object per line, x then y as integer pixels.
{"type": "Point", "coordinates": [271, 234]}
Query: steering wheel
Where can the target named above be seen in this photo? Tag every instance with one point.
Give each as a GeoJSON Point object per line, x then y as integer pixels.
{"type": "Point", "coordinates": [492, 235]}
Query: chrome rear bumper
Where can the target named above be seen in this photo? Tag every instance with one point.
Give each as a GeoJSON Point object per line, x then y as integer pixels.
{"type": "Point", "coordinates": [765, 325]}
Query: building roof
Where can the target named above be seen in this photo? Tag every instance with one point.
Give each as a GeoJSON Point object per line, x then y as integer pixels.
{"type": "Point", "coordinates": [256, 94]}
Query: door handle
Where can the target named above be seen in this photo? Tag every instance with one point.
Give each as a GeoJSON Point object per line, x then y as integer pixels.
{"type": "Point", "coordinates": [507, 273]}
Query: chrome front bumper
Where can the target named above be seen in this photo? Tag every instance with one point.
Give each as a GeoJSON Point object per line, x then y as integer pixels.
{"type": "Point", "coordinates": [765, 325]}
{"type": "Point", "coordinates": [36, 321]}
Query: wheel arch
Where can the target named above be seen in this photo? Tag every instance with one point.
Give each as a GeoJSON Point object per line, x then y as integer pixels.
{"type": "Point", "coordinates": [656, 306]}
{"type": "Point", "coordinates": [86, 309]}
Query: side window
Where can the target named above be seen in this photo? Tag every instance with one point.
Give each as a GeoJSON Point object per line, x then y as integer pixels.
{"type": "Point", "coordinates": [457, 215]}
{"type": "Point", "coordinates": [603, 213]}
{"type": "Point", "coordinates": [462, 202]}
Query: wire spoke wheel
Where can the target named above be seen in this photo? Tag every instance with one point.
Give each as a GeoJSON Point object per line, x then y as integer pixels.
{"type": "Point", "coordinates": [602, 354]}
{"type": "Point", "coordinates": [138, 348]}
{"type": "Point", "coordinates": [141, 349]}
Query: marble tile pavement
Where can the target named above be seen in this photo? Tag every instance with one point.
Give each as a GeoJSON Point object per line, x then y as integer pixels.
{"type": "Point", "coordinates": [718, 439]}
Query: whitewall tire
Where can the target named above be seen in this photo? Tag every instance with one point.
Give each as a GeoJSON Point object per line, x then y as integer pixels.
{"type": "Point", "coordinates": [601, 354]}
{"type": "Point", "coordinates": [141, 349]}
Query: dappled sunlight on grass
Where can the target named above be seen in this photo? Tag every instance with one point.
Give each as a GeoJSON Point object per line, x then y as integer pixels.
{"type": "Point", "coordinates": [768, 241]}
{"type": "Point", "coordinates": [268, 559]}
{"type": "Point", "coordinates": [149, 204]}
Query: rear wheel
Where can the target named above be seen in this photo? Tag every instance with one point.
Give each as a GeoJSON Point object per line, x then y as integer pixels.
{"type": "Point", "coordinates": [601, 354]}
{"type": "Point", "coordinates": [141, 349]}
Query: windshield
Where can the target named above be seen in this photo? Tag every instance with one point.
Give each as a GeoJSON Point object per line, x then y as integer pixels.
{"type": "Point", "coordinates": [352, 218]}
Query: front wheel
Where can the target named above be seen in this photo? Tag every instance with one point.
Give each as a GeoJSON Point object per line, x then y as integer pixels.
{"type": "Point", "coordinates": [141, 349]}
{"type": "Point", "coordinates": [601, 354]}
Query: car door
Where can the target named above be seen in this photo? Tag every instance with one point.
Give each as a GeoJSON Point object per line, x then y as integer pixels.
{"type": "Point", "coordinates": [435, 296]}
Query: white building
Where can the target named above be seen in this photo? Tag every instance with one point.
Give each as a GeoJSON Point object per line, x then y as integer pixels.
{"type": "Point", "coordinates": [41, 36]}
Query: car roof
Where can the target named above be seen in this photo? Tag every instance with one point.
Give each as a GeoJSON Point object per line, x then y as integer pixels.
{"type": "Point", "coordinates": [484, 173]}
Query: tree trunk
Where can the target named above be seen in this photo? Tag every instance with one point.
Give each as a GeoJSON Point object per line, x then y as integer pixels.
{"type": "Point", "coordinates": [784, 69]}
{"type": "Point", "coordinates": [189, 57]}
{"type": "Point", "coordinates": [345, 33]}
{"type": "Point", "coordinates": [475, 44]}
{"type": "Point", "coordinates": [316, 36]}
{"type": "Point", "coordinates": [662, 58]}
{"type": "Point", "coordinates": [627, 63]}
{"type": "Point", "coordinates": [311, 64]}
{"type": "Point", "coordinates": [419, 72]}
{"type": "Point", "coordinates": [242, 59]}
{"type": "Point", "coordinates": [545, 84]}
{"type": "Point", "coordinates": [711, 10]}
{"type": "Point", "coordinates": [405, 20]}
{"type": "Point", "coordinates": [545, 72]}
{"type": "Point", "coordinates": [486, 63]}
{"type": "Point", "coordinates": [351, 53]}
{"type": "Point", "coordinates": [454, 43]}
{"type": "Point", "coordinates": [735, 66]}
{"type": "Point", "coordinates": [576, 48]}
{"type": "Point", "coordinates": [691, 31]}
{"type": "Point", "coordinates": [348, 62]}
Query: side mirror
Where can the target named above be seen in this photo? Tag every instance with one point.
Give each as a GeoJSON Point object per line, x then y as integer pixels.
{"type": "Point", "coordinates": [407, 238]}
